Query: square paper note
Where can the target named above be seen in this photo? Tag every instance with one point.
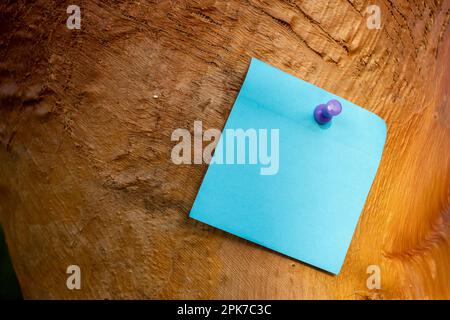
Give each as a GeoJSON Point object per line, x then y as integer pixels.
{"type": "Point", "coordinates": [299, 187]}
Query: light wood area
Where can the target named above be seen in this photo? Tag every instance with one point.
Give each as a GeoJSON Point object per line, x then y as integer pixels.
{"type": "Point", "coordinates": [86, 118]}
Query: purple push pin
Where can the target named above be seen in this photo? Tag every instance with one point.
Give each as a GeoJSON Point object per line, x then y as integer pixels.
{"type": "Point", "coordinates": [323, 113]}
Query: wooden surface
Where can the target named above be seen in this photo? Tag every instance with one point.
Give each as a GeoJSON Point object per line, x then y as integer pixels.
{"type": "Point", "coordinates": [85, 170]}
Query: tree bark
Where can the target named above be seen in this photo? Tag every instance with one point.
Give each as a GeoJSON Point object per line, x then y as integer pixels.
{"type": "Point", "coordinates": [86, 118]}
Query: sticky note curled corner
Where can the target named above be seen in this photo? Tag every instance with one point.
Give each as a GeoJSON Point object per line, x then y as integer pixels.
{"type": "Point", "coordinates": [309, 209]}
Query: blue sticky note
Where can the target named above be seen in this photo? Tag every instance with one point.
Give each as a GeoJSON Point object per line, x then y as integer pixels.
{"type": "Point", "coordinates": [306, 201]}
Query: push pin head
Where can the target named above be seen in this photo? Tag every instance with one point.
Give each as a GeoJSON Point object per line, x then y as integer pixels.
{"type": "Point", "coordinates": [325, 112]}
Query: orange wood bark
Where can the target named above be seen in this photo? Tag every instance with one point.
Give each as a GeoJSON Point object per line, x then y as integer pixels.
{"type": "Point", "coordinates": [86, 118]}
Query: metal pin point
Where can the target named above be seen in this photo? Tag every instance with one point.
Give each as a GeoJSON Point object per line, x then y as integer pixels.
{"type": "Point", "coordinates": [323, 113]}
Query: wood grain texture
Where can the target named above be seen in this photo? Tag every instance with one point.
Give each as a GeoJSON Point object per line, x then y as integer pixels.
{"type": "Point", "coordinates": [85, 170]}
